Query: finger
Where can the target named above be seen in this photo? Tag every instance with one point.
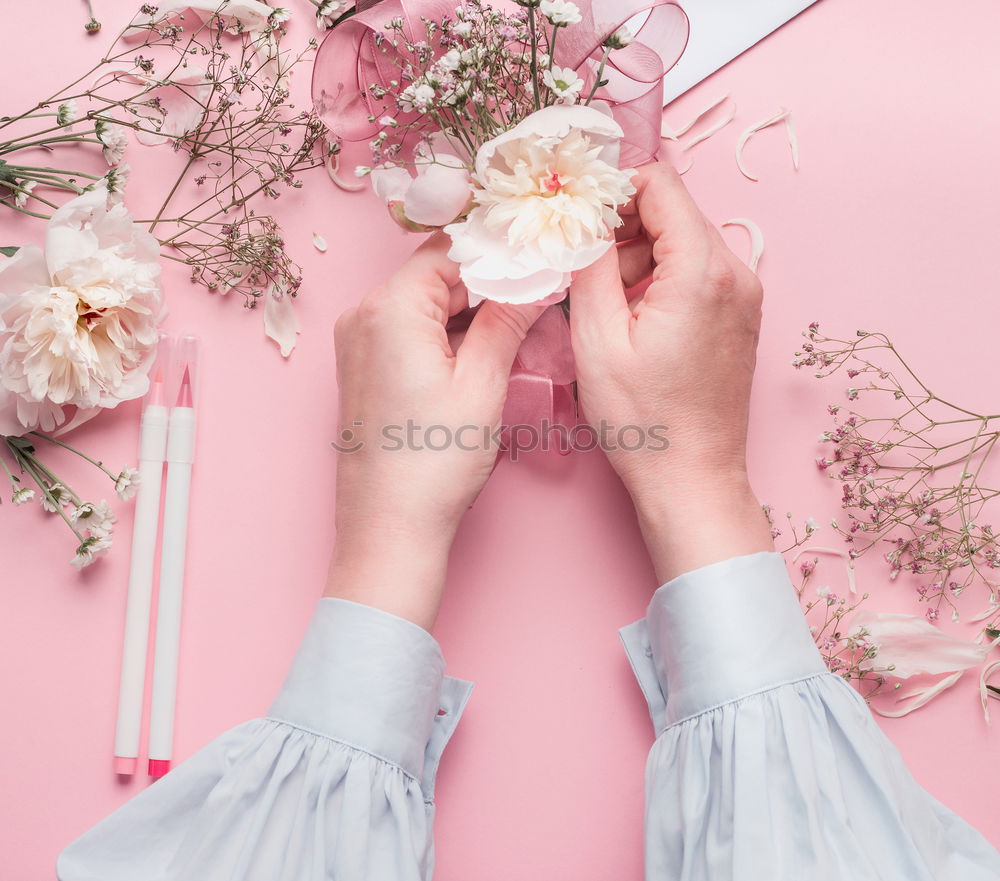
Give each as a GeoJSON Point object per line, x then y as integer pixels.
{"type": "Point", "coordinates": [493, 338]}
{"type": "Point", "coordinates": [428, 279]}
{"type": "Point", "coordinates": [635, 260]}
{"type": "Point", "coordinates": [597, 299]}
{"type": "Point", "coordinates": [670, 217]}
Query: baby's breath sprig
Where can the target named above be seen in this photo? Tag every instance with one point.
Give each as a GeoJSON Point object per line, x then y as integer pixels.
{"type": "Point", "coordinates": [845, 649]}
{"type": "Point", "coordinates": [90, 522]}
{"type": "Point", "coordinates": [912, 471]}
{"type": "Point", "coordinates": [472, 76]}
{"type": "Point", "coordinates": [248, 144]}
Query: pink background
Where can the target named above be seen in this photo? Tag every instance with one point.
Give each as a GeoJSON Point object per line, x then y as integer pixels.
{"type": "Point", "coordinates": [891, 224]}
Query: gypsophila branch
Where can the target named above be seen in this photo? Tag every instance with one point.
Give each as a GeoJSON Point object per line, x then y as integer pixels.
{"type": "Point", "coordinates": [912, 468]}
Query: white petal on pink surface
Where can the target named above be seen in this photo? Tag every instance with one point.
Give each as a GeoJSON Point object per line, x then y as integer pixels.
{"type": "Point", "coordinates": [915, 647]}
{"type": "Point", "coordinates": [280, 321]}
{"type": "Point", "coordinates": [672, 134]}
{"type": "Point", "coordinates": [333, 169]}
{"type": "Point", "coordinates": [783, 115]}
{"type": "Point", "coordinates": [756, 248]}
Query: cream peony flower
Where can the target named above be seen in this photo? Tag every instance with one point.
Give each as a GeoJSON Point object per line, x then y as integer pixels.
{"type": "Point", "coordinates": [546, 194]}
{"type": "Point", "coordinates": [78, 324]}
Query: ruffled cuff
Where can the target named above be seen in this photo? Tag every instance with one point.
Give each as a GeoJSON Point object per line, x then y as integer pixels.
{"type": "Point", "coordinates": [717, 634]}
{"type": "Point", "coordinates": [375, 682]}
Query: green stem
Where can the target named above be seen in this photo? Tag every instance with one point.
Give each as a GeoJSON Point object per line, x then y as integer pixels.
{"type": "Point", "coordinates": [600, 73]}
{"type": "Point", "coordinates": [59, 443]}
{"type": "Point", "coordinates": [27, 466]}
{"type": "Point", "coordinates": [534, 58]}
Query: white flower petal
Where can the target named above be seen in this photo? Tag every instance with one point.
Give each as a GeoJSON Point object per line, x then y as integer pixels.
{"type": "Point", "coordinates": [280, 321]}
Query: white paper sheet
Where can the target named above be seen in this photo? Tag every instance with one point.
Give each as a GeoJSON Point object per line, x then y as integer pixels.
{"type": "Point", "coordinates": [721, 30]}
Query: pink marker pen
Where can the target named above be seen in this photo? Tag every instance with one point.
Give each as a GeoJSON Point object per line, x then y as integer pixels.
{"type": "Point", "coordinates": [180, 457]}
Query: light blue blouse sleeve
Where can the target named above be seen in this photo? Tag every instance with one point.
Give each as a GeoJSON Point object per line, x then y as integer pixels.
{"type": "Point", "coordinates": [336, 782]}
{"type": "Point", "coordinates": [766, 767]}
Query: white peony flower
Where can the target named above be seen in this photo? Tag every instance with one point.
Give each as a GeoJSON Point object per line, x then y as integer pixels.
{"type": "Point", "coordinates": [127, 483]}
{"type": "Point", "coordinates": [114, 139]}
{"type": "Point", "coordinates": [78, 324]}
{"type": "Point", "coordinates": [546, 197]}
{"type": "Point", "coordinates": [564, 82]}
{"type": "Point", "coordinates": [560, 12]}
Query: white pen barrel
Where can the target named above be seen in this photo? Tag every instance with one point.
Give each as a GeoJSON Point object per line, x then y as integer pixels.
{"type": "Point", "coordinates": [152, 448]}
{"type": "Point", "coordinates": [180, 450]}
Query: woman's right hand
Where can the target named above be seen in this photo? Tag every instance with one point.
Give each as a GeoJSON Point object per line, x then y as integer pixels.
{"type": "Point", "coordinates": [681, 355]}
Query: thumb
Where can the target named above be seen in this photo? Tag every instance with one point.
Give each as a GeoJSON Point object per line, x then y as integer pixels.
{"type": "Point", "coordinates": [493, 338]}
{"type": "Point", "coordinates": [597, 299]}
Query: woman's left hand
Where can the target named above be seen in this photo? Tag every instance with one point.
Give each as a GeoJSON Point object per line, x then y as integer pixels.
{"type": "Point", "coordinates": [415, 418]}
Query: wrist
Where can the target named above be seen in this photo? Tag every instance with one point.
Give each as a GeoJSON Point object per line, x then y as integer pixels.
{"type": "Point", "coordinates": [396, 569]}
{"type": "Point", "coordinates": [689, 523]}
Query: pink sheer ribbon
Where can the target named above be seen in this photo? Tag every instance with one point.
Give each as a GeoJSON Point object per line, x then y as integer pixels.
{"type": "Point", "coordinates": [348, 61]}
{"type": "Point", "coordinates": [540, 393]}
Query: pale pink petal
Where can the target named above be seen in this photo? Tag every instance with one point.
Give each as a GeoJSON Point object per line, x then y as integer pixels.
{"type": "Point", "coordinates": [280, 321]}
{"type": "Point", "coordinates": [9, 423]}
{"type": "Point", "coordinates": [391, 182]}
{"type": "Point", "coordinates": [182, 102]}
{"type": "Point", "coordinates": [915, 646]}
{"type": "Point", "coordinates": [22, 271]}
{"type": "Point", "coordinates": [984, 693]}
{"type": "Point", "coordinates": [250, 14]}
{"type": "Point", "coordinates": [438, 195]}
{"type": "Point", "coordinates": [71, 236]}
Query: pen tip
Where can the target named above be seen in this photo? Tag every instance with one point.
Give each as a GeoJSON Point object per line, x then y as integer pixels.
{"type": "Point", "coordinates": [184, 396]}
{"type": "Point", "coordinates": [156, 395]}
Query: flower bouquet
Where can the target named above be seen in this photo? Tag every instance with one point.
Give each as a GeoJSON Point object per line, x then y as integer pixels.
{"type": "Point", "coordinates": [516, 133]}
